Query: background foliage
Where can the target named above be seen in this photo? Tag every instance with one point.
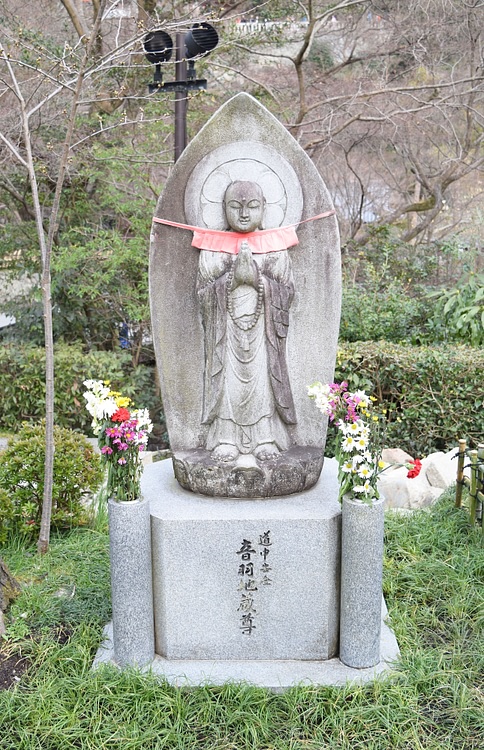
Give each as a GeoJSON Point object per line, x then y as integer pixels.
{"type": "Point", "coordinates": [22, 383]}
{"type": "Point", "coordinates": [77, 471]}
{"type": "Point", "coordinates": [432, 394]}
{"type": "Point", "coordinates": [385, 98]}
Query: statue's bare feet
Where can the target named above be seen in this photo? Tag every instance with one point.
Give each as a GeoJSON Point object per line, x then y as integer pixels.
{"type": "Point", "coordinates": [266, 451]}
{"type": "Point", "coordinates": [224, 452]}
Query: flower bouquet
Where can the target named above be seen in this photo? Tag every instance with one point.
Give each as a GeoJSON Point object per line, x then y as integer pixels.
{"type": "Point", "coordinates": [359, 451]}
{"type": "Point", "coordinates": [122, 436]}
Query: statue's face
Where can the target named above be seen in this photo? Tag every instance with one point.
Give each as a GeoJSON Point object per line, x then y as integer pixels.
{"type": "Point", "coordinates": [244, 206]}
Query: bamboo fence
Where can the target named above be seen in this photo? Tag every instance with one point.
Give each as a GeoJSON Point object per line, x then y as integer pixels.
{"type": "Point", "coordinates": [474, 483]}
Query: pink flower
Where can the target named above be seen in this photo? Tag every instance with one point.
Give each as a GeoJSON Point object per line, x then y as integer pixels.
{"type": "Point", "coordinates": [120, 445]}
{"type": "Point", "coordinates": [121, 461]}
{"type": "Point", "coordinates": [106, 449]}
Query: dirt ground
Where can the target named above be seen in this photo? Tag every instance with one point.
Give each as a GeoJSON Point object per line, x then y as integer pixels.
{"type": "Point", "coordinates": [11, 669]}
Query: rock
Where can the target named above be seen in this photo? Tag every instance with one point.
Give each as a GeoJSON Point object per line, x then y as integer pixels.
{"type": "Point", "coordinates": [401, 492]}
{"type": "Point", "coordinates": [440, 469]}
{"type": "Point", "coordinates": [244, 148]}
{"type": "Point", "coordinates": [395, 456]}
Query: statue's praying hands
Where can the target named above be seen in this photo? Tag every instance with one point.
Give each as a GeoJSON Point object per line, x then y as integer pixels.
{"type": "Point", "coordinates": [245, 268]}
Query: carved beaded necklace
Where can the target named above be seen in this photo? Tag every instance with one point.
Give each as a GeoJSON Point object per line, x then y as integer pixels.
{"type": "Point", "coordinates": [244, 325]}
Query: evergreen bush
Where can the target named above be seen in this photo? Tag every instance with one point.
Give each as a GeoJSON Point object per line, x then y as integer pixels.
{"type": "Point", "coordinates": [389, 314]}
{"type": "Point", "coordinates": [432, 395]}
{"type": "Point", "coordinates": [459, 311]}
{"type": "Point", "coordinates": [22, 383]}
{"type": "Point", "coordinates": [77, 471]}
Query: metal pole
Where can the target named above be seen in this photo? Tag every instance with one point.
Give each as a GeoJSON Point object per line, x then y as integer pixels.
{"type": "Point", "coordinates": [180, 97]}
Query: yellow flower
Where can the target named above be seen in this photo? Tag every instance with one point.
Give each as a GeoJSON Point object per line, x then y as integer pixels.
{"type": "Point", "coordinates": [123, 402]}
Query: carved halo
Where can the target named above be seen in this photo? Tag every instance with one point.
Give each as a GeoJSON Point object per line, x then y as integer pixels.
{"type": "Point", "coordinates": [213, 174]}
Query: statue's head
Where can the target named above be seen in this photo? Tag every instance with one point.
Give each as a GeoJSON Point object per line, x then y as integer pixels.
{"type": "Point", "coordinates": [244, 206]}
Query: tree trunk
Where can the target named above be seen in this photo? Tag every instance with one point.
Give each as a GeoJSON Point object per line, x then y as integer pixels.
{"type": "Point", "coordinates": [9, 588]}
{"type": "Point", "coordinates": [44, 536]}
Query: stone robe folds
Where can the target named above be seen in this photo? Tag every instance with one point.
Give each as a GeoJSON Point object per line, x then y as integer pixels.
{"type": "Point", "coordinates": [247, 395]}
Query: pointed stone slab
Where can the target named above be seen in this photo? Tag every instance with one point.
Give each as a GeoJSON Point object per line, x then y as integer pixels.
{"type": "Point", "coordinates": [242, 135]}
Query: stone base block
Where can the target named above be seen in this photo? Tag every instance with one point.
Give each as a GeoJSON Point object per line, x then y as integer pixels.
{"type": "Point", "coordinates": [294, 470]}
{"type": "Point", "coordinates": [244, 579]}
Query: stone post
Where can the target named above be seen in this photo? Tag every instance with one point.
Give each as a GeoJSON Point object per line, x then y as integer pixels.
{"type": "Point", "coordinates": [361, 582]}
{"type": "Point", "coordinates": [131, 582]}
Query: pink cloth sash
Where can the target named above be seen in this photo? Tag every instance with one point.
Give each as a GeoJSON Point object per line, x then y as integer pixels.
{"type": "Point", "coordinates": [263, 241]}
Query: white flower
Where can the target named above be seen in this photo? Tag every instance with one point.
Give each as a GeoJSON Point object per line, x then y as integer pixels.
{"type": "Point", "coordinates": [365, 471]}
{"type": "Point", "coordinates": [365, 488]}
{"type": "Point", "coordinates": [144, 425]}
{"type": "Point", "coordinates": [99, 403]}
{"type": "Point", "coordinates": [143, 418]}
{"type": "Point", "coordinates": [354, 428]}
{"type": "Point", "coordinates": [361, 442]}
{"type": "Point", "coordinates": [361, 398]}
{"type": "Point", "coordinates": [320, 393]}
{"type": "Point", "coordinates": [348, 444]}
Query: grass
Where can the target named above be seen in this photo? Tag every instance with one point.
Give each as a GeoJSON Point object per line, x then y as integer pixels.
{"type": "Point", "coordinates": [434, 572]}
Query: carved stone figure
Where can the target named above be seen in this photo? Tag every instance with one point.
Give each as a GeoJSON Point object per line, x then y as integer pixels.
{"type": "Point", "coordinates": [245, 301]}
{"type": "Point", "coordinates": [245, 306]}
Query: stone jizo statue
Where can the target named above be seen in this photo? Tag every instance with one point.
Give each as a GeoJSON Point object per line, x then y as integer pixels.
{"type": "Point", "coordinates": [245, 300]}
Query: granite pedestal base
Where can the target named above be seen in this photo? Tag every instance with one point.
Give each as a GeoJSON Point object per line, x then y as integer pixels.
{"type": "Point", "coordinates": [244, 579]}
{"type": "Point", "coordinates": [271, 620]}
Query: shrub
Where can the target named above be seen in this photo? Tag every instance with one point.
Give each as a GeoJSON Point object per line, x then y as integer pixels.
{"type": "Point", "coordinates": [22, 383]}
{"type": "Point", "coordinates": [77, 470]}
{"type": "Point", "coordinates": [432, 395]}
{"type": "Point", "coordinates": [375, 314]}
{"type": "Point", "coordinates": [459, 312]}
{"type": "Point", "coordinates": [386, 291]}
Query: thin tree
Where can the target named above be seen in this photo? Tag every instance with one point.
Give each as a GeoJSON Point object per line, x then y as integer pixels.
{"type": "Point", "coordinates": [46, 240]}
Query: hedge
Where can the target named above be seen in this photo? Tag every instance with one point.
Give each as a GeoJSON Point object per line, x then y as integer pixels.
{"type": "Point", "coordinates": [22, 383]}
{"type": "Point", "coordinates": [433, 395]}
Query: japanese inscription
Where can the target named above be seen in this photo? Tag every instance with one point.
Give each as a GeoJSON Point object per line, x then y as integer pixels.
{"type": "Point", "coordinates": [254, 571]}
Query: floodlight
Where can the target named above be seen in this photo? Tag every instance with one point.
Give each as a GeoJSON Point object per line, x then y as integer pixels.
{"type": "Point", "coordinates": [200, 40]}
{"type": "Point", "coordinates": [158, 46]}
